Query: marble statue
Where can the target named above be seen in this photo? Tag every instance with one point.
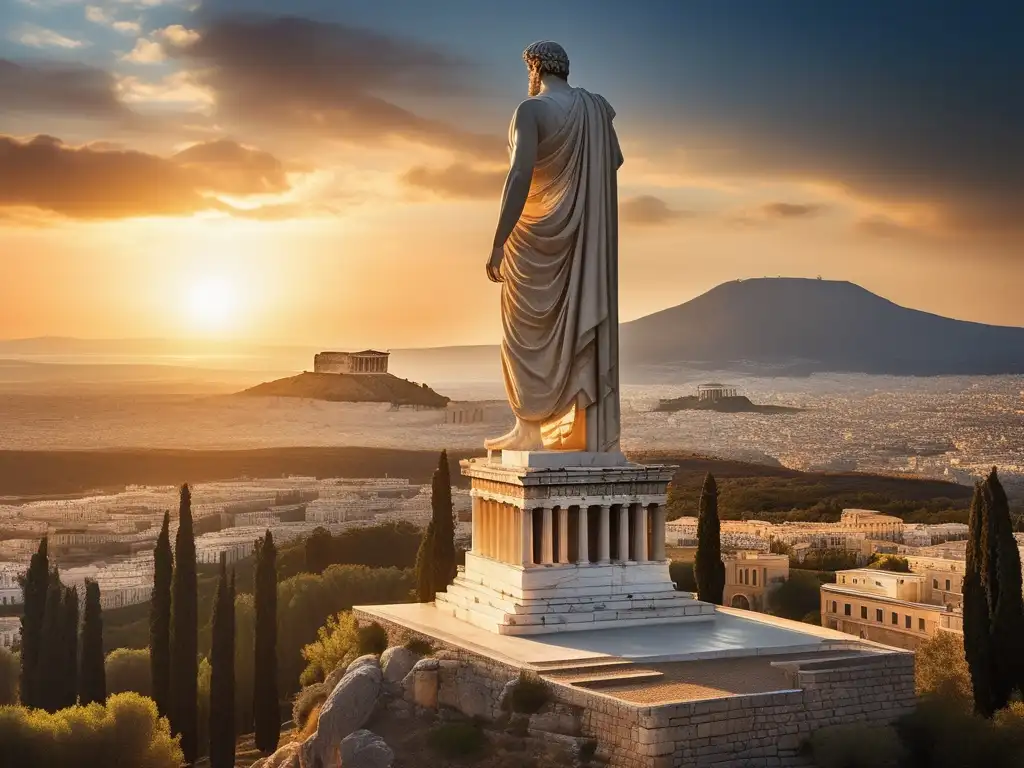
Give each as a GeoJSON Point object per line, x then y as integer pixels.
{"type": "Point", "coordinates": [555, 254]}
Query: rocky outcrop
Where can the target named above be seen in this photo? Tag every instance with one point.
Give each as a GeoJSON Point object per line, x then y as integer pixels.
{"type": "Point", "coordinates": [365, 749]}
{"type": "Point", "coordinates": [286, 757]}
{"type": "Point", "coordinates": [346, 710]}
{"type": "Point", "coordinates": [397, 662]}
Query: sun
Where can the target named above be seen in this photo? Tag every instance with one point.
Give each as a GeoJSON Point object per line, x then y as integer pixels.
{"type": "Point", "coordinates": [212, 303]}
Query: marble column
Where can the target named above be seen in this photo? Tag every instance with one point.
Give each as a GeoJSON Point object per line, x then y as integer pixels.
{"type": "Point", "coordinates": [563, 534]}
{"type": "Point", "coordinates": [475, 521]}
{"type": "Point", "coordinates": [582, 536]}
{"type": "Point", "coordinates": [658, 532]}
{"type": "Point", "coordinates": [492, 529]}
{"type": "Point", "coordinates": [604, 537]}
{"type": "Point", "coordinates": [623, 533]}
{"type": "Point", "coordinates": [546, 554]}
{"type": "Point", "coordinates": [640, 534]}
{"type": "Point", "coordinates": [526, 536]}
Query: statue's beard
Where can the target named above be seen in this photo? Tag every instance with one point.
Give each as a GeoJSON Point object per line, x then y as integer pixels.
{"type": "Point", "coordinates": [534, 88]}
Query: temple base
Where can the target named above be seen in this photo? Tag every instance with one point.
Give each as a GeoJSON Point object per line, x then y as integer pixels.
{"type": "Point", "coordinates": [567, 545]}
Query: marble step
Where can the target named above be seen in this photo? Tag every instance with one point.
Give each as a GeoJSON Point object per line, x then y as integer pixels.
{"type": "Point", "coordinates": [564, 670]}
{"type": "Point", "coordinates": [610, 679]}
{"type": "Point", "coordinates": [578, 594]}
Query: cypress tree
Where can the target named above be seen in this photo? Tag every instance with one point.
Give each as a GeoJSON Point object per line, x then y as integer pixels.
{"type": "Point", "coordinates": [425, 565]}
{"type": "Point", "coordinates": [1006, 601]}
{"type": "Point", "coordinates": [708, 568]}
{"type": "Point", "coordinates": [50, 668]}
{"type": "Point", "coordinates": [265, 705]}
{"type": "Point", "coordinates": [977, 639]}
{"type": "Point", "coordinates": [318, 550]}
{"type": "Point", "coordinates": [69, 641]}
{"type": "Point", "coordinates": [92, 679]}
{"type": "Point", "coordinates": [34, 588]}
{"type": "Point", "coordinates": [222, 674]}
{"type": "Point", "coordinates": [184, 704]}
{"type": "Point", "coordinates": [443, 517]}
{"type": "Point", "coordinates": [160, 619]}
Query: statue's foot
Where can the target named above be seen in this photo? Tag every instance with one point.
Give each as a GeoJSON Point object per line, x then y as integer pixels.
{"type": "Point", "coordinates": [524, 436]}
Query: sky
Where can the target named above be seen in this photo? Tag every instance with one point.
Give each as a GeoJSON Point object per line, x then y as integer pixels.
{"type": "Point", "coordinates": [214, 168]}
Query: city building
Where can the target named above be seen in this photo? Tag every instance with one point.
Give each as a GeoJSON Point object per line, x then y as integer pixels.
{"type": "Point", "coordinates": [873, 524]}
{"type": "Point", "coordinates": [750, 577]}
{"type": "Point", "coordinates": [367, 361]}
{"type": "Point", "coordinates": [10, 631]}
{"type": "Point", "coordinates": [883, 606]}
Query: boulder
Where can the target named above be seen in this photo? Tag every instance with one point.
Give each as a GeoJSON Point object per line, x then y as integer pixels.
{"type": "Point", "coordinates": [505, 697]}
{"type": "Point", "coordinates": [286, 757]}
{"type": "Point", "coordinates": [397, 662]}
{"type": "Point", "coordinates": [365, 749]}
{"type": "Point", "coordinates": [346, 710]}
{"type": "Point", "coordinates": [362, 661]}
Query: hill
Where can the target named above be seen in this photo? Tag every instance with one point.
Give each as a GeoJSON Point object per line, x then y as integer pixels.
{"type": "Point", "coordinates": [801, 326]}
{"type": "Point", "coordinates": [351, 388]}
{"type": "Point", "coordinates": [737, 404]}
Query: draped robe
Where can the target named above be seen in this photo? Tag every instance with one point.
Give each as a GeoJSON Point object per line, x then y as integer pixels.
{"type": "Point", "coordinates": [559, 301]}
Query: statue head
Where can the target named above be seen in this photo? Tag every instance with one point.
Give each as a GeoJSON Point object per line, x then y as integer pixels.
{"type": "Point", "coordinates": [545, 58]}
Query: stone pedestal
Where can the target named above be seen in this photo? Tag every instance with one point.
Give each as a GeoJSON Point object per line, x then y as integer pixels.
{"type": "Point", "coordinates": [571, 547]}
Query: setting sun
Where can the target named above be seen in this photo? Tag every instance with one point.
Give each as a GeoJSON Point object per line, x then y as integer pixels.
{"type": "Point", "coordinates": [212, 304]}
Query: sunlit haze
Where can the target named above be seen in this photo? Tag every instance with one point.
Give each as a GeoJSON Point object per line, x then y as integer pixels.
{"type": "Point", "coordinates": [155, 182]}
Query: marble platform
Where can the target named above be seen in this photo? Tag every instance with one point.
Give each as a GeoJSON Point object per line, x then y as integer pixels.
{"type": "Point", "coordinates": [567, 541]}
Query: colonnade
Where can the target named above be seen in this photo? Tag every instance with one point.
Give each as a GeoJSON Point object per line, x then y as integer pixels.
{"type": "Point", "coordinates": [573, 534]}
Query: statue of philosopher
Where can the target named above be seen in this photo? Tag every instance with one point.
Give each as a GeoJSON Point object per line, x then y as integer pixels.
{"type": "Point", "coordinates": [556, 256]}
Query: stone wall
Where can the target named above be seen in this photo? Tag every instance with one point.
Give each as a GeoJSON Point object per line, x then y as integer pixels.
{"type": "Point", "coordinates": [750, 731]}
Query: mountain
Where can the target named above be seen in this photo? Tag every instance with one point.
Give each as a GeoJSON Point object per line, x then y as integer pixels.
{"type": "Point", "coordinates": [805, 325]}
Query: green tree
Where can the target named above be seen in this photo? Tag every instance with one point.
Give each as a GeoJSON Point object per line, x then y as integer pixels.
{"type": "Point", "coordinates": [222, 675]}
{"type": "Point", "coordinates": [92, 681]}
{"type": "Point", "coordinates": [266, 704]}
{"type": "Point", "coordinates": [160, 619]}
{"type": "Point", "coordinates": [10, 670]}
{"type": "Point", "coordinates": [1005, 600]}
{"type": "Point", "coordinates": [127, 669]}
{"type": "Point", "coordinates": [708, 567]}
{"type": "Point", "coordinates": [34, 587]}
{"type": "Point", "coordinates": [435, 562]}
{"type": "Point", "coordinates": [183, 711]}
{"type": "Point", "coordinates": [977, 638]}
{"type": "Point", "coordinates": [319, 550]}
{"type": "Point", "coordinates": [69, 640]}
{"type": "Point", "coordinates": [50, 670]}
{"type": "Point", "coordinates": [425, 566]}
{"type": "Point", "coordinates": [889, 563]}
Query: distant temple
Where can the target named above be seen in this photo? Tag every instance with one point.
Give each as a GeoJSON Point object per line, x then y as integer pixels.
{"type": "Point", "coordinates": [367, 361]}
{"type": "Point", "coordinates": [714, 392]}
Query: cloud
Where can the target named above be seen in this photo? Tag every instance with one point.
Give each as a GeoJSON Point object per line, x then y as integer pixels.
{"type": "Point", "coordinates": [95, 182]}
{"type": "Point", "coordinates": [648, 210]}
{"type": "Point", "coordinates": [99, 15]}
{"type": "Point", "coordinates": [457, 181]}
{"type": "Point", "coordinates": [175, 88]}
{"type": "Point", "coordinates": [178, 35]}
{"type": "Point", "coordinates": [791, 210]}
{"type": "Point", "coordinates": [327, 80]}
{"type": "Point", "coordinates": [145, 52]}
{"type": "Point", "coordinates": [59, 88]}
{"type": "Point", "coordinates": [40, 37]}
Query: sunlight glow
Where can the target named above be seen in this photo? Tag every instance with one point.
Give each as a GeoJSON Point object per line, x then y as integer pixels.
{"type": "Point", "coordinates": [212, 303]}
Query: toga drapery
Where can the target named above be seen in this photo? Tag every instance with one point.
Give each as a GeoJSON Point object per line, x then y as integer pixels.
{"type": "Point", "coordinates": [559, 301]}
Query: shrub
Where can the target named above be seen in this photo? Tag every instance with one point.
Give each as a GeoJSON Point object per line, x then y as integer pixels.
{"type": "Point", "coordinates": [814, 617]}
{"type": "Point", "coordinates": [940, 669]}
{"type": "Point", "coordinates": [336, 641]}
{"type": "Point", "coordinates": [941, 733]}
{"type": "Point", "coordinates": [682, 575]}
{"type": "Point", "coordinates": [889, 563]}
{"type": "Point", "coordinates": [454, 740]}
{"type": "Point", "coordinates": [10, 673]}
{"type": "Point", "coordinates": [856, 746]}
{"type": "Point", "coordinates": [128, 670]}
{"type": "Point", "coordinates": [306, 701]}
{"type": "Point", "coordinates": [126, 732]}
{"type": "Point", "coordinates": [528, 695]}
{"type": "Point", "coordinates": [310, 726]}
{"type": "Point", "coordinates": [419, 646]}
{"type": "Point", "coordinates": [373, 638]}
